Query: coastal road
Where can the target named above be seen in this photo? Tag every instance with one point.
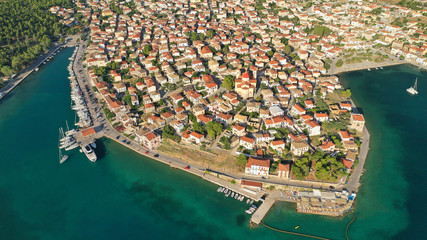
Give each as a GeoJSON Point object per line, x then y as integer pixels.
{"type": "Point", "coordinates": [354, 181]}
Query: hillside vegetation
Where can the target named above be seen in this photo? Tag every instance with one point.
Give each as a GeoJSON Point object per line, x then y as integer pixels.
{"type": "Point", "coordinates": [27, 28]}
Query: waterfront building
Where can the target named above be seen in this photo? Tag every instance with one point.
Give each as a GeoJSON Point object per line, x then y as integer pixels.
{"type": "Point", "coordinates": [259, 167]}
{"type": "Point", "coordinates": [151, 140]}
{"type": "Point", "coordinates": [357, 122]}
{"type": "Point", "coordinates": [283, 170]}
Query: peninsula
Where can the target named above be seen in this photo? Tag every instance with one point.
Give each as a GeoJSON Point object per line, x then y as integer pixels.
{"type": "Point", "coordinates": [242, 93]}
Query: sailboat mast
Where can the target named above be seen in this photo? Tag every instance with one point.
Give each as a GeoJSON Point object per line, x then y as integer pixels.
{"type": "Point", "coordinates": [415, 86]}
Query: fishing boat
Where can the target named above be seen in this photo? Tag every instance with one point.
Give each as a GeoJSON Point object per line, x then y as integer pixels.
{"type": "Point", "coordinates": [413, 90]}
{"type": "Point", "coordinates": [90, 154]}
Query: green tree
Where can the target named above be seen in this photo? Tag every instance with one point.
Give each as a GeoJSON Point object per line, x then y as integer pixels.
{"type": "Point", "coordinates": [346, 93]}
{"type": "Point", "coordinates": [210, 34]}
{"type": "Point", "coordinates": [199, 127]}
{"type": "Point", "coordinates": [214, 129]}
{"type": "Point", "coordinates": [147, 49]}
{"type": "Point", "coordinates": [6, 70]}
{"type": "Point", "coordinates": [287, 49]}
{"type": "Point", "coordinates": [242, 160]}
{"type": "Point", "coordinates": [169, 132]}
{"type": "Point", "coordinates": [228, 82]}
{"type": "Point", "coordinates": [339, 63]}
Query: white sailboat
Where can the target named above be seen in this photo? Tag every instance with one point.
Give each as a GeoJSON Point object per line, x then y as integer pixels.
{"type": "Point", "coordinates": [62, 158]}
{"type": "Point", "coordinates": [413, 90]}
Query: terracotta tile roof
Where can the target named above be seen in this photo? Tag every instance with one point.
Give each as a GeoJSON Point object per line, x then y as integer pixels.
{"type": "Point", "coordinates": [258, 162]}
{"type": "Point", "coordinates": [88, 132]}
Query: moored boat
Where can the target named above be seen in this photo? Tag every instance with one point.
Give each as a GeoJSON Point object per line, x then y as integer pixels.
{"type": "Point", "coordinates": [90, 154]}
{"type": "Point", "coordinates": [413, 90]}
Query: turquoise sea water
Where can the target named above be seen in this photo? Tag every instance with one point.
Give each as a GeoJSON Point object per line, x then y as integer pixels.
{"type": "Point", "coordinates": [127, 196]}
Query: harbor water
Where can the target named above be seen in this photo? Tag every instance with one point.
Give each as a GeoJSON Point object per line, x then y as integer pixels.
{"type": "Point", "coordinates": [127, 196]}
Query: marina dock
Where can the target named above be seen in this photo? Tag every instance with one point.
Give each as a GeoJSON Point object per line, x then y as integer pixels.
{"type": "Point", "coordinates": [260, 213]}
{"type": "Point", "coordinates": [234, 187]}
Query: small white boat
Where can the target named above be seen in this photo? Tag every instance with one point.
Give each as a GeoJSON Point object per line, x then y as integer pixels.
{"type": "Point", "coordinates": [236, 196]}
{"type": "Point", "coordinates": [232, 194]}
{"type": "Point", "coordinates": [36, 69]}
{"type": "Point", "coordinates": [249, 212]}
{"type": "Point", "coordinates": [242, 198]}
{"type": "Point", "coordinates": [413, 90]}
{"type": "Point", "coordinates": [219, 189]}
{"type": "Point", "coordinates": [247, 201]}
{"type": "Point", "coordinates": [381, 68]}
{"type": "Point", "coordinates": [369, 69]}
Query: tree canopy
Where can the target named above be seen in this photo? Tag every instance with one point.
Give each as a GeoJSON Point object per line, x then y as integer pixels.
{"type": "Point", "coordinates": [228, 82]}
{"type": "Point", "coordinates": [27, 29]}
{"type": "Point", "coordinates": [214, 129]}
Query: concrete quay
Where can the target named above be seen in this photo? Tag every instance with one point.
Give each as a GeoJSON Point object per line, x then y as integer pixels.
{"type": "Point", "coordinates": [260, 213]}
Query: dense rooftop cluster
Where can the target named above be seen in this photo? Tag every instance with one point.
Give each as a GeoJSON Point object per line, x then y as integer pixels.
{"type": "Point", "coordinates": [245, 76]}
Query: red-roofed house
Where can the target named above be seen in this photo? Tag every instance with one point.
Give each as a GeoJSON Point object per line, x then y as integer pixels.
{"type": "Point", "coordinates": [278, 145]}
{"type": "Point", "coordinates": [313, 128]}
{"type": "Point", "coordinates": [247, 142]}
{"type": "Point", "coordinates": [283, 170]}
{"type": "Point", "coordinates": [321, 117]}
{"type": "Point", "coordinates": [238, 130]}
{"type": "Point", "coordinates": [345, 136]}
{"type": "Point", "coordinates": [327, 146]}
{"type": "Point", "coordinates": [297, 110]}
{"type": "Point", "coordinates": [88, 132]}
{"type": "Point", "coordinates": [151, 140]}
{"type": "Point", "coordinates": [250, 186]}
{"type": "Point", "coordinates": [357, 122]}
{"type": "Point", "coordinates": [348, 164]}
{"type": "Point", "coordinates": [259, 167]}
